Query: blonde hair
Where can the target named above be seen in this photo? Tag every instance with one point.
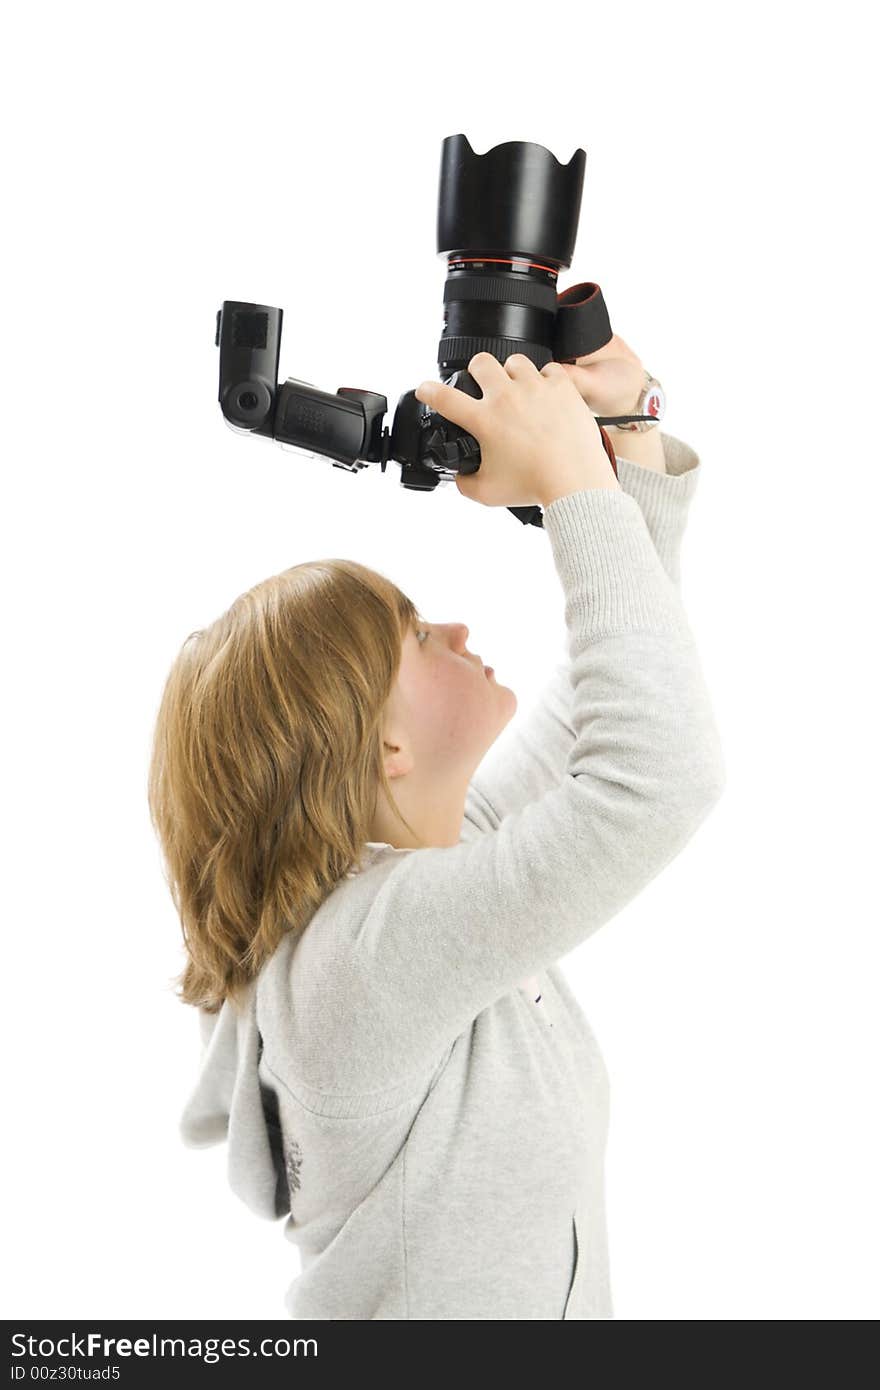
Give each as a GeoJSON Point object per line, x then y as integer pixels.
{"type": "Point", "coordinates": [267, 759]}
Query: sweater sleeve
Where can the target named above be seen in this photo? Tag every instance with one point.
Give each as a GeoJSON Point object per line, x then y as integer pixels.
{"type": "Point", "coordinates": [664, 498]}
{"type": "Point", "coordinates": [529, 757]}
{"type": "Point", "coordinates": [448, 930]}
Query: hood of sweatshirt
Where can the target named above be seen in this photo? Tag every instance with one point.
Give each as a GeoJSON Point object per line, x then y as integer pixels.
{"type": "Point", "coordinates": [231, 1101]}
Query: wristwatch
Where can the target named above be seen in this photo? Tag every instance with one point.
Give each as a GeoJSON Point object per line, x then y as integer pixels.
{"type": "Point", "coordinates": [652, 402]}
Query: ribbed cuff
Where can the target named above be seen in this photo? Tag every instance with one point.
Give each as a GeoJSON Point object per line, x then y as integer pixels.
{"type": "Point", "coordinates": [680, 457]}
{"type": "Point", "coordinates": [664, 498]}
{"type": "Point", "coordinates": [613, 578]}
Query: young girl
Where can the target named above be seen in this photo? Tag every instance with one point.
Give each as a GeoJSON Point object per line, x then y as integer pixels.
{"type": "Point", "coordinates": [373, 916]}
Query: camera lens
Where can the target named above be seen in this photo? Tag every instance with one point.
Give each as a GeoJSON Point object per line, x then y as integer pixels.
{"type": "Point", "coordinates": [507, 222]}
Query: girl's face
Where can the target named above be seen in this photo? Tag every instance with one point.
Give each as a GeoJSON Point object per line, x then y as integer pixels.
{"type": "Point", "coordinates": [445, 708]}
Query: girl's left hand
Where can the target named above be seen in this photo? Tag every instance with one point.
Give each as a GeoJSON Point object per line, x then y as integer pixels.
{"type": "Point", "coordinates": [610, 379]}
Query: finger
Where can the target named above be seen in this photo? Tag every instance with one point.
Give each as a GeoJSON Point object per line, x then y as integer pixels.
{"type": "Point", "coordinates": [554, 370]}
{"type": "Point", "coordinates": [578, 376]}
{"type": "Point", "coordinates": [451, 403]}
{"type": "Point", "coordinates": [520, 367]}
{"type": "Point", "coordinates": [487, 372]}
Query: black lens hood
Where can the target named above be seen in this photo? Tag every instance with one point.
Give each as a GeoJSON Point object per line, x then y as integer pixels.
{"type": "Point", "coordinates": [516, 199]}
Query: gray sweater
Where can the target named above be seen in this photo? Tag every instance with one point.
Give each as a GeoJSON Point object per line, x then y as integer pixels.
{"type": "Point", "coordinates": [412, 1083]}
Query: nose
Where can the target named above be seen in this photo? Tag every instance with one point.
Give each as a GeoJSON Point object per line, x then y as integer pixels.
{"type": "Point", "coordinates": [458, 635]}
{"type": "Point", "coordinates": [463, 632]}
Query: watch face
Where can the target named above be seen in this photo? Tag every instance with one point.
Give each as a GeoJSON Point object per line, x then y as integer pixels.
{"type": "Point", "coordinates": [655, 403]}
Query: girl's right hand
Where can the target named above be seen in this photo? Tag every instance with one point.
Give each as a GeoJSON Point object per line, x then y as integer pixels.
{"type": "Point", "coordinates": [538, 439]}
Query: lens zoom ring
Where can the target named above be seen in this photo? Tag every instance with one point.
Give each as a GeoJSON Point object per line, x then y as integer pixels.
{"type": "Point", "coordinates": [516, 289]}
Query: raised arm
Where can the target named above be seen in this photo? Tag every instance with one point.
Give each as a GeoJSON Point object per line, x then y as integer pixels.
{"type": "Point", "coordinates": [530, 755]}
{"type": "Point", "coordinates": [426, 939]}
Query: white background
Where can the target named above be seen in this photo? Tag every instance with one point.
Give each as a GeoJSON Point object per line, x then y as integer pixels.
{"type": "Point", "coordinates": [160, 159]}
